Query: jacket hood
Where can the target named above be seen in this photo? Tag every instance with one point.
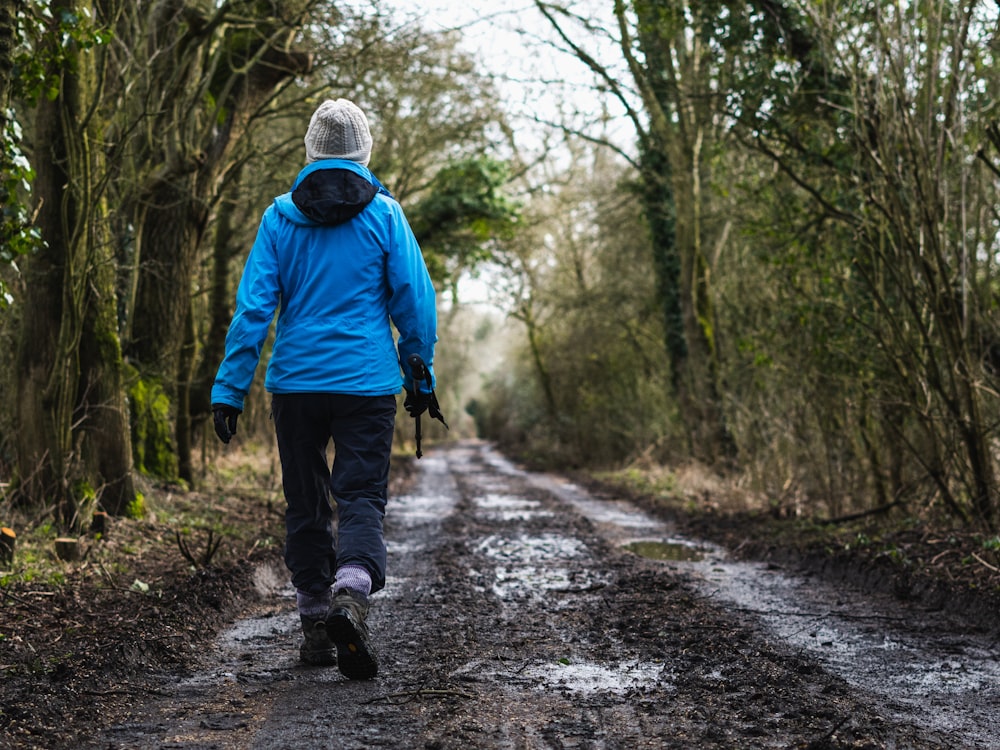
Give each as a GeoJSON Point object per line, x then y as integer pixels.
{"type": "Point", "coordinates": [329, 192]}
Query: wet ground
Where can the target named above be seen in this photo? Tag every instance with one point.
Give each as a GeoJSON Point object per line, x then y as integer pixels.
{"type": "Point", "coordinates": [520, 612]}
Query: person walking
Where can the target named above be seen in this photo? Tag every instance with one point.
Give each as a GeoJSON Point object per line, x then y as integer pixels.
{"type": "Point", "coordinates": [336, 257]}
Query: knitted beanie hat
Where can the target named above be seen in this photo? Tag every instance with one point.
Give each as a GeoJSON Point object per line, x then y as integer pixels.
{"type": "Point", "coordinates": [338, 130]}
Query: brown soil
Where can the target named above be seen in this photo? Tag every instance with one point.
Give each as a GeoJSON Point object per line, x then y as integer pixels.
{"type": "Point", "coordinates": [76, 651]}
{"type": "Point", "coordinates": [76, 654]}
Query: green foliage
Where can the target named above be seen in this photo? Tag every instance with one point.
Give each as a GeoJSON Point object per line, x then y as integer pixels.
{"type": "Point", "coordinates": [466, 212]}
{"type": "Point", "coordinates": [84, 502]}
{"type": "Point", "coordinates": [31, 78]}
{"type": "Point", "coordinates": [49, 47]}
{"type": "Point", "coordinates": [17, 236]}
{"type": "Point", "coordinates": [795, 360]}
{"type": "Point", "coordinates": [83, 492]}
{"type": "Point", "coordinates": [137, 508]}
{"type": "Point", "coordinates": [35, 560]}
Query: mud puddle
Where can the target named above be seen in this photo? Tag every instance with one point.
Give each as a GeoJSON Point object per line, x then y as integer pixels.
{"type": "Point", "coordinates": [925, 672]}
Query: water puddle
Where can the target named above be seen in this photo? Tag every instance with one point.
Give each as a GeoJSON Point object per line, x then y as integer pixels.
{"type": "Point", "coordinates": [529, 567]}
{"type": "Point", "coordinates": [432, 499]}
{"type": "Point", "coordinates": [527, 549]}
{"type": "Point", "coordinates": [668, 551]}
{"type": "Point", "coordinates": [587, 677]}
{"type": "Point", "coordinates": [510, 508]}
{"type": "Point", "coordinates": [415, 509]}
{"type": "Point", "coordinates": [532, 582]}
{"type": "Point", "coordinates": [246, 651]}
{"type": "Point", "coordinates": [574, 676]}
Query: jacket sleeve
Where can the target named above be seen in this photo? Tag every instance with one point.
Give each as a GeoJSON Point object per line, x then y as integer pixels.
{"type": "Point", "coordinates": [257, 299]}
{"type": "Point", "coordinates": [412, 305]}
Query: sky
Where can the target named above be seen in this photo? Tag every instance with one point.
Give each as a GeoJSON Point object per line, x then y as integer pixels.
{"type": "Point", "coordinates": [513, 40]}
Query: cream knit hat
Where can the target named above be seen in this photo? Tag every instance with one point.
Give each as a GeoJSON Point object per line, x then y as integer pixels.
{"type": "Point", "coordinates": [338, 130]}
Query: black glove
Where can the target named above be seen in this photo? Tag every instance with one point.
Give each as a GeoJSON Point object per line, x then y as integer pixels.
{"type": "Point", "coordinates": [225, 420]}
{"type": "Point", "coordinates": [416, 403]}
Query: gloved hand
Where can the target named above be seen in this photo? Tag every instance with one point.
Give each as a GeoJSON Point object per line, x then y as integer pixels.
{"type": "Point", "coordinates": [225, 417]}
{"type": "Point", "coordinates": [416, 403]}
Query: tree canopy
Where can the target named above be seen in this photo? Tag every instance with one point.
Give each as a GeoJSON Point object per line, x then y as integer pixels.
{"type": "Point", "coordinates": [786, 270]}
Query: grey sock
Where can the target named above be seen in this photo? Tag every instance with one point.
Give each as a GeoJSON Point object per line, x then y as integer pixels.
{"type": "Point", "coordinates": [312, 605]}
{"type": "Point", "coordinates": [353, 577]}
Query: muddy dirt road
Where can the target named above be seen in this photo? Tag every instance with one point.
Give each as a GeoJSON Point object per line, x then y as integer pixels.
{"type": "Point", "coordinates": [522, 613]}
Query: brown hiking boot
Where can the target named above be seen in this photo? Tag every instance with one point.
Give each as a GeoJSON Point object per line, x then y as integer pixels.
{"type": "Point", "coordinates": [345, 626]}
{"type": "Point", "coordinates": [317, 649]}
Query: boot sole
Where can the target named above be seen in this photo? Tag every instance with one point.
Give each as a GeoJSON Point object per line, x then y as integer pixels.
{"type": "Point", "coordinates": [355, 655]}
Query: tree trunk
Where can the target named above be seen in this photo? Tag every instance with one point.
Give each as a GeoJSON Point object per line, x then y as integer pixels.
{"type": "Point", "coordinates": [168, 238]}
{"type": "Point", "coordinates": [185, 373]}
{"type": "Point", "coordinates": [658, 202]}
{"type": "Point", "coordinates": [47, 370]}
{"type": "Point", "coordinates": [102, 412]}
{"type": "Point", "coordinates": [73, 442]}
{"type": "Point", "coordinates": [673, 165]}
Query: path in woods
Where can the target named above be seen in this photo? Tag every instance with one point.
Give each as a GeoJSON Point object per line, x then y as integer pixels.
{"type": "Point", "coordinates": [521, 612]}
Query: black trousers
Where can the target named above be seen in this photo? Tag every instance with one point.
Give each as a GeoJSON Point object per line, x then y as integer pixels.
{"type": "Point", "coordinates": [361, 428]}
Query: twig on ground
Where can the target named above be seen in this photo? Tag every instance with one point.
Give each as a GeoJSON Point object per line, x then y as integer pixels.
{"type": "Point", "coordinates": [211, 547]}
{"type": "Point", "coordinates": [994, 568]}
{"type": "Point", "coordinates": [510, 668]}
{"type": "Point", "coordinates": [107, 574]}
{"type": "Point", "coordinates": [939, 555]}
{"type": "Point", "coordinates": [20, 598]}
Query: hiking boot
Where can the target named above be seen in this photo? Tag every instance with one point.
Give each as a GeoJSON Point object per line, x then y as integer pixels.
{"type": "Point", "coordinates": [345, 625]}
{"type": "Point", "coordinates": [317, 649]}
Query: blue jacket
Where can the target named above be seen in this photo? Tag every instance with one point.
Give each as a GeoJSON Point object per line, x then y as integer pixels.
{"type": "Point", "coordinates": [339, 258]}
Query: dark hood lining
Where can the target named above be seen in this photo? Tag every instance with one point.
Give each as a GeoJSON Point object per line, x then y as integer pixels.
{"type": "Point", "coordinates": [333, 196]}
